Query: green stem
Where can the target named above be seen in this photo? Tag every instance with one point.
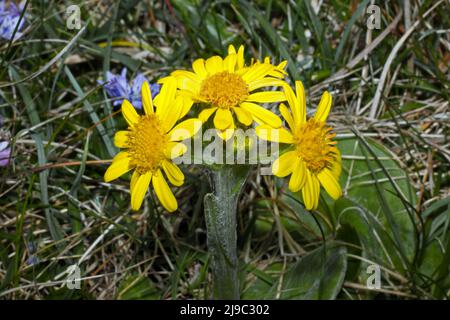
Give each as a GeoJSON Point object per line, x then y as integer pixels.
{"type": "Point", "coordinates": [220, 215]}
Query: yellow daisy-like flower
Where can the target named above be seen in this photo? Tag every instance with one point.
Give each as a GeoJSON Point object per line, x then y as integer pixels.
{"type": "Point", "coordinates": [227, 87]}
{"type": "Point", "coordinates": [313, 159]}
{"type": "Point", "coordinates": [151, 142]}
{"type": "Point", "coordinates": [278, 71]}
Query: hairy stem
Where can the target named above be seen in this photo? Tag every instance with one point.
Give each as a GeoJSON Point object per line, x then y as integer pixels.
{"type": "Point", "coordinates": [220, 214]}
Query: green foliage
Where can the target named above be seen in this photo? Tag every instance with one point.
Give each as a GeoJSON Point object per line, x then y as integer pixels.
{"type": "Point", "coordinates": [318, 275]}
{"type": "Point", "coordinates": [378, 204]}
{"type": "Point", "coordinates": [56, 211]}
{"type": "Point", "coordinates": [137, 288]}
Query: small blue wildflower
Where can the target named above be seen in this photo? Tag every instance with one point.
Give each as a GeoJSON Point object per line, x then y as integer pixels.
{"type": "Point", "coordinates": [31, 247]}
{"type": "Point", "coordinates": [5, 153]}
{"type": "Point", "coordinates": [154, 88]}
{"type": "Point", "coordinates": [33, 260]}
{"type": "Point", "coordinates": [5, 149]}
{"type": "Point", "coordinates": [9, 18]}
{"type": "Point", "coordinates": [116, 86]}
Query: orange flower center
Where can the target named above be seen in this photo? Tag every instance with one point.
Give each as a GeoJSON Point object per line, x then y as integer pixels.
{"type": "Point", "coordinates": [224, 90]}
{"type": "Point", "coordinates": [313, 141]}
{"type": "Point", "coordinates": [146, 143]}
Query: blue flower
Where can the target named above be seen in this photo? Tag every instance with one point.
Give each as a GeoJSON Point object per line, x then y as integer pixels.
{"type": "Point", "coordinates": [154, 88]}
{"type": "Point", "coordinates": [5, 150]}
{"type": "Point", "coordinates": [33, 260]}
{"type": "Point", "coordinates": [9, 18]}
{"type": "Point", "coordinates": [116, 86]}
{"type": "Point", "coordinates": [5, 153]}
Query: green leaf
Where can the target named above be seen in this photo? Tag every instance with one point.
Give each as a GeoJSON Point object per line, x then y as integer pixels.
{"type": "Point", "coordinates": [136, 287]}
{"type": "Point", "coordinates": [435, 257]}
{"type": "Point", "coordinates": [264, 281]}
{"type": "Point", "coordinates": [377, 244]}
{"type": "Point", "coordinates": [379, 192]}
{"type": "Point", "coordinates": [318, 275]}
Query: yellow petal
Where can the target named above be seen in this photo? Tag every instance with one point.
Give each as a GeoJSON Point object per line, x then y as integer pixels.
{"type": "Point", "coordinates": [336, 165]}
{"type": "Point", "coordinates": [134, 178]}
{"type": "Point", "coordinates": [186, 75]}
{"type": "Point", "coordinates": [231, 49]}
{"type": "Point", "coordinates": [187, 105]}
{"type": "Point", "coordinates": [307, 192]}
{"type": "Point", "coordinates": [293, 103]}
{"type": "Point", "coordinates": [316, 193]}
{"type": "Point", "coordinates": [265, 115]}
{"type": "Point", "coordinates": [226, 134]}
{"type": "Point", "coordinates": [223, 119]}
{"type": "Point", "coordinates": [258, 120]}
{"type": "Point", "coordinates": [240, 57]}
{"type": "Point", "coordinates": [147, 98]}
{"type": "Point", "coordinates": [206, 113]}
{"type": "Point", "coordinates": [214, 65]}
{"type": "Point", "coordinates": [243, 116]}
{"type": "Point", "coordinates": [301, 99]}
{"type": "Point", "coordinates": [311, 192]}
{"type": "Point", "coordinates": [168, 119]}
{"type": "Point", "coordinates": [164, 79]}
{"type": "Point", "coordinates": [264, 82]}
{"type": "Point", "coordinates": [121, 139]}
{"type": "Point", "coordinates": [129, 113]}
{"type": "Point", "coordinates": [298, 177]}
{"type": "Point", "coordinates": [329, 183]}
{"type": "Point", "coordinates": [121, 155]}
{"type": "Point", "coordinates": [280, 135]}
{"type": "Point", "coordinates": [287, 115]}
{"type": "Point", "coordinates": [117, 168]}
{"type": "Point", "coordinates": [230, 63]}
{"type": "Point", "coordinates": [163, 192]}
{"type": "Point", "coordinates": [186, 84]}
{"type": "Point", "coordinates": [173, 173]}
{"type": "Point", "coordinates": [324, 107]}
{"type": "Point", "coordinates": [256, 72]}
{"type": "Point", "coordinates": [267, 97]}
{"type": "Point", "coordinates": [185, 130]}
{"type": "Point", "coordinates": [174, 150]}
{"type": "Point", "coordinates": [282, 167]}
{"type": "Point", "coordinates": [336, 168]}
{"type": "Point", "coordinates": [166, 97]}
{"type": "Point", "coordinates": [139, 190]}
{"type": "Point", "coordinates": [199, 68]}
{"type": "Point", "coordinates": [282, 65]}
{"type": "Point", "coordinates": [278, 71]}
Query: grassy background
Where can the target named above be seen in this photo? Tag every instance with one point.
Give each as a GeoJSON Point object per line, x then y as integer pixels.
{"type": "Point", "coordinates": [390, 110]}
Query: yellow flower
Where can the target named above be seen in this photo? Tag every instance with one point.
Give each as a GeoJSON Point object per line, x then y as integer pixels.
{"type": "Point", "coordinates": [227, 87]}
{"type": "Point", "coordinates": [151, 142]}
{"type": "Point", "coordinates": [313, 159]}
{"type": "Point", "coordinates": [278, 71]}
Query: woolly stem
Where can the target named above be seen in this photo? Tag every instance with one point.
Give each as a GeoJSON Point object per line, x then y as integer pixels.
{"type": "Point", "coordinates": [220, 214]}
